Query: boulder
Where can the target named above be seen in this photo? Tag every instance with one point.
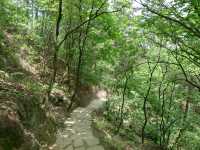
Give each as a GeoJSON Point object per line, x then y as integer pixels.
{"type": "Point", "coordinates": [31, 143]}
{"type": "Point", "coordinates": [11, 130]}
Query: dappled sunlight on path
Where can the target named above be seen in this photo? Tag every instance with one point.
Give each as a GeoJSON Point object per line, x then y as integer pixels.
{"type": "Point", "coordinates": [77, 133]}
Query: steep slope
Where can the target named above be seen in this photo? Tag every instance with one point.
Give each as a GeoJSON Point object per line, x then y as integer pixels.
{"type": "Point", "coordinates": [24, 123]}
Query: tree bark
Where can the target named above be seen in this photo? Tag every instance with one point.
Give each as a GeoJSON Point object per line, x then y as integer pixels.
{"type": "Point", "coordinates": [123, 102]}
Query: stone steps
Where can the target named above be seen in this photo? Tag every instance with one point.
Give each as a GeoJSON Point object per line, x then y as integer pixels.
{"type": "Point", "coordinates": [77, 134]}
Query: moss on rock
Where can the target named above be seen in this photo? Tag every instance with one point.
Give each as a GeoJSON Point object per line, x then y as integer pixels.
{"type": "Point", "coordinates": [21, 113]}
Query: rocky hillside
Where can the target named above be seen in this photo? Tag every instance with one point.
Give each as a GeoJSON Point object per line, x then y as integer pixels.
{"type": "Point", "coordinates": [24, 123]}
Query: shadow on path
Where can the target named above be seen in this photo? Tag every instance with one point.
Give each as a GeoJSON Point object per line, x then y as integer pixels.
{"type": "Point", "coordinates": [77, 133]}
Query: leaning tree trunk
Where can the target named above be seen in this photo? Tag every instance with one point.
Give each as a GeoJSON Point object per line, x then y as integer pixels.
{"type": "Point", "coordinates": [151, 70]}
{"type": "Point", "coordinates": [122, 106]}
{"type": "Point", "coordinates": [56, 49]}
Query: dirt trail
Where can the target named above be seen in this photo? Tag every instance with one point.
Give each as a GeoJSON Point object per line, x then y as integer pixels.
{"type": "Point", "coordinates": [77, 133]}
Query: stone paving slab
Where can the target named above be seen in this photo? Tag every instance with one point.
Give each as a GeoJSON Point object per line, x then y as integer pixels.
{"type": "Point", "coordinates": [69, 148]}
{"type": "Point", "coordinates": [78, 143]}
{"type": "Point", "coordinates": [91, 141]}
{"type": "Point", "coordinates": [80, 148]}
{"type": "Point", "coordinates": [77, 134]}
{"type": "Point", "coordinates": [98, 147]}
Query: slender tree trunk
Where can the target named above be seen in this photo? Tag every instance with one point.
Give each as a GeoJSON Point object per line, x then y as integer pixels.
{"type": "Point", "coordinates": [151, 70]}
{"type": "Point", "coordinates": [162, 123]}
{"type": "Point", "coordinates": [145, 102]}
{"type": "Point", "coordinates": [122, 106]}
{"type": "Point", "coordinates": [169, 109]}
{"type": "Point", "coordinates": [56, 49]}
{"type": "Point", "coordinates": [82, 44]}
{"type": "Point", "coordinates": [184, 119]}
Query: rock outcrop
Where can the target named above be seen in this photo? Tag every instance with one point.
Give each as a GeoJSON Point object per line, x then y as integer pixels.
{"type": "Point", "coordinates": [22, 120]}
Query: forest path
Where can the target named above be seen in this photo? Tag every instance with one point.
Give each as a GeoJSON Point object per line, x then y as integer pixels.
{"type": "Point", "coordinates": [78, 133]}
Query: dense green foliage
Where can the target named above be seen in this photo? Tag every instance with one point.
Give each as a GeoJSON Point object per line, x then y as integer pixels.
{"type": "Point", "coordinates": [147, 58]}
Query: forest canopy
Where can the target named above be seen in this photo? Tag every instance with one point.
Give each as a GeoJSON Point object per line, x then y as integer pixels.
{"type": "Point", "coordinates": [144, 53]}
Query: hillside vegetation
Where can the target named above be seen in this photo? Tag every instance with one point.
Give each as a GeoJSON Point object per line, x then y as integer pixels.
{"type": "Point", "coordinates": [132, 65]}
